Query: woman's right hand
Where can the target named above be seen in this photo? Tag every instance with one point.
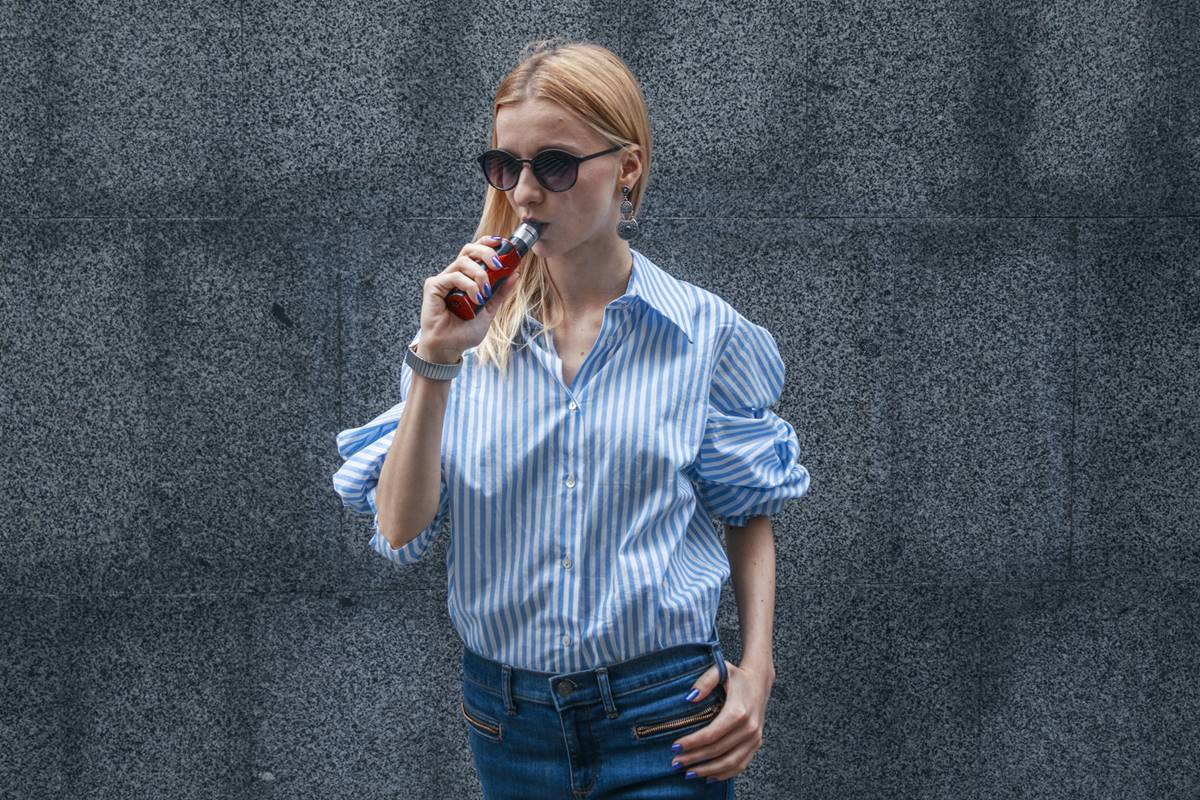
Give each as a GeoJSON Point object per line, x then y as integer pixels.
{"type": "Point", "coordinates": [444, 336]}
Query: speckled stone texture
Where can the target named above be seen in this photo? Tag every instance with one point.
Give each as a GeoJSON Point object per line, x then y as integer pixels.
{"type": "Point", "coordinates": [973, 229]}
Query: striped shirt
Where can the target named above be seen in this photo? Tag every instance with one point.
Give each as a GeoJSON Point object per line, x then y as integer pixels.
{"type": "Point", "coordinates": [580, 529]}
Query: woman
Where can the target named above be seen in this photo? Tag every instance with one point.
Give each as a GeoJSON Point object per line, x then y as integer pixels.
{"type": "Point", "coordinates": [580, 433]}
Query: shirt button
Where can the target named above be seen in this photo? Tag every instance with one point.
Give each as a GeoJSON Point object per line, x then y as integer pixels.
{"type": "Point", "coordinates": [571, 482]}
{"type": "Point", "coordinates": [566, 639]}
{"type": "Point", "coordinates": [566, 562]}
{"type": "Point", "coordinates": [571, 405]}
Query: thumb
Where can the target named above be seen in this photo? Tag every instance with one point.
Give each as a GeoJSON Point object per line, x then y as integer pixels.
{"type": "Point", "coordinates": [511, 282]}
{"type": "Point", "coordinates": [705, 684]}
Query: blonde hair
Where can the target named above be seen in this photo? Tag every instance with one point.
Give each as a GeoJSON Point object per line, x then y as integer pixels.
{"type": "Point", "coordinates": [594, 84]}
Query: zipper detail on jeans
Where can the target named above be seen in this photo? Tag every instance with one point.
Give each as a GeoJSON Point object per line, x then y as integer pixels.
{"type": "Point", "coordinates": [682, 722]}
{"type": "Point", "coordinates": [493, 729]}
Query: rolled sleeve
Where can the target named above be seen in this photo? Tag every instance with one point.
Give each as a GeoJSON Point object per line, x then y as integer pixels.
{"type": "Point", "coordinates": [748, 463]}
{"type": "Point", "coordinates": [364, 449]}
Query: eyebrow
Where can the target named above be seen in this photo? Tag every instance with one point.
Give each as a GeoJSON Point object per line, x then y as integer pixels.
{"type": "Point", "coordinates": [560, 145]}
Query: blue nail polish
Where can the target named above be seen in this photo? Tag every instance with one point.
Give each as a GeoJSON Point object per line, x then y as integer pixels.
{"type": "Point", "coordinates": [676, 765]}
{"type": "Point", "coordinates": [690, 774]}
{"type": "Point", "coordinates": [677, 748]}
{"type": "Point", "coordinates": [496, 261]}
{"type": "Point", "coordinates": [692, 695]}
{"type": "Point", "coordinates": [480, 296]}
{"type": "Point", "coordinates": [487, 290]}
{"type": "Point", "coordinates": [710, 779]}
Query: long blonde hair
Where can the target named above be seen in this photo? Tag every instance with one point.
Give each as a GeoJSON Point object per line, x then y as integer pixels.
{"type": "Point", "coordinates": [594, 83]}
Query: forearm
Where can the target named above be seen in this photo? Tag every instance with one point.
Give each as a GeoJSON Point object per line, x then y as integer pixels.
{"type": "Point", "coordinates": [751, 552]}
{"type": "Point", "coordinates": [410, 479]}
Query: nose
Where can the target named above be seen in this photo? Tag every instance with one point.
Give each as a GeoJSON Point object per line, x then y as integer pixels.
{"type": "Point", "coordinates": [526, 182]}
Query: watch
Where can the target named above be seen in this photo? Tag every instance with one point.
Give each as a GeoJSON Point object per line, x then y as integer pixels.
{"type": "Point", "coordinates": [431, 369]}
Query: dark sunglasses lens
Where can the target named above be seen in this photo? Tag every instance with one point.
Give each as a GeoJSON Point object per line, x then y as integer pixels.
{"type": "Point", "coordinates": [500, 170]}
{"type": "Point", "coordinates": [556, 169]}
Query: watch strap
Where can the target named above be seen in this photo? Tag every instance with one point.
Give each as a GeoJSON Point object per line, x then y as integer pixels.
{"type": "Point", "coordinates": [430, 369]}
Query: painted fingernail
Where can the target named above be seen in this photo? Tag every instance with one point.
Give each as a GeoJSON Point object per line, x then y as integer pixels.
{"type": "Point", "coordinates": [493, 238]}
{"type": "Point", "coordinates": [710, 779]}
{"type": "Point", "coordinates": [480, 296]}
{"type": "Point", "coordinates": [496, 261]}
{"type": "Point", "coordinates": [692, 695]}
{"type": "Point", "coordinates": [690, 774]}
{"type": "Point", "coordinates": [677, 748]}
{"type": "Point", "coordinates": [487, 290]}
{"type": "Point", "coordinates": [676, 765]}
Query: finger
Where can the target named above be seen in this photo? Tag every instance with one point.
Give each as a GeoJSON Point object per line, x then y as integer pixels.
{"type": "Point", "coordinates": [723, 724]}
{"type": "Point", "coordinates": [717, 741]}
{"type": "Point", "coordinates": [726, 766]}
{"type": "Point", "coordinates": [704, 684]}
{"type": "Point", "coordinates": [458, 280]}
{"type": "Point", "coordinates": [733, 740]}
{"type": "Point", "coordinates": [476, 272]}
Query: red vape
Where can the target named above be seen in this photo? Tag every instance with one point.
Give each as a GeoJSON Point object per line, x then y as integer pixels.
{"type": "Point", "coordinates": [509, 254]}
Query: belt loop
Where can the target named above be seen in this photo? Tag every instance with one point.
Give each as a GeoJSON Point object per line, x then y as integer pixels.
{"type": "Point", "coordinates": [506, 689]}
{"type": "Point", "coordinates": [722, 670]}
{"type": "Point", "coordinates": [606, 691]}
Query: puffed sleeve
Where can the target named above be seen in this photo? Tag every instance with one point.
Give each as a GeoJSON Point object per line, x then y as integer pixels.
{"type": "Point", "coordinates": [748, 463]}
{"type": "Point", "coordinates": [364, 449]}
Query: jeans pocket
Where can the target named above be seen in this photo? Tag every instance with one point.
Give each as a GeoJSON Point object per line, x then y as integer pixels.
{"type": "Point", "coordinates": [673, 724]}
{"type": "Point", "coordinates": [481, 723]}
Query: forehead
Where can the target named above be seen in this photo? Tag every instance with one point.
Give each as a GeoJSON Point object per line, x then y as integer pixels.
{"type": "Point", "coordinates": [532, 125]}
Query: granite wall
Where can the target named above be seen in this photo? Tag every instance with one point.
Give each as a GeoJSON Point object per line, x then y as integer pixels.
{"type": "Point", "coordinates": [972, 227]}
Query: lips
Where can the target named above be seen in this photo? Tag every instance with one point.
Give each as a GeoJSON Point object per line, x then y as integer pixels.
{"type": "Point", "coordinates": [544, 225]}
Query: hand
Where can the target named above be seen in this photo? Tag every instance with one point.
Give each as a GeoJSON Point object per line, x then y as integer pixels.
{"type": "Point", "coordinates": [724, 747]}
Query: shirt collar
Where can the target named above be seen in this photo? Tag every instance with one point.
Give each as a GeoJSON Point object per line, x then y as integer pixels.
{"type": "Point", "coordinates": [652, 286]}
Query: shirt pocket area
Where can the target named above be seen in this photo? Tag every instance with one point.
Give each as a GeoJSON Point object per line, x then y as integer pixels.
{"type": "Point", "coordinates": [481, 723]}
{"type": "Point", "coordinates": [681, 721]}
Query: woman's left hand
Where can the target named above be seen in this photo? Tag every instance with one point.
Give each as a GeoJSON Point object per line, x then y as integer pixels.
{"type": "Point", "coordinates": [724, 747]}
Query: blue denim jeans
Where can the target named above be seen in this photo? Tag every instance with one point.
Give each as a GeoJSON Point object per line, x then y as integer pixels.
{"type": "Point", "coordinates": [597, 733]}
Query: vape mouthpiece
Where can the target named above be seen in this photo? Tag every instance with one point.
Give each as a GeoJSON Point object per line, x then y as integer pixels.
{"type": "Point", "coordinates": [526, 235]}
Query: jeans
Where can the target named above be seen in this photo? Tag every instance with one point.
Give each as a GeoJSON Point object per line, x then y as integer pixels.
{"type": "Point", "coordinates": [598, 733]}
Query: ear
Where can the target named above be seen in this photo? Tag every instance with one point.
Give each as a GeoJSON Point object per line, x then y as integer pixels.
{"type": "Point", "coordinates": [631, 166]}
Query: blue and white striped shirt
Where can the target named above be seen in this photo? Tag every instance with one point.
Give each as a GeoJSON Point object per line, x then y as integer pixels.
{"type": "Point", "coordinates": [580, 527]}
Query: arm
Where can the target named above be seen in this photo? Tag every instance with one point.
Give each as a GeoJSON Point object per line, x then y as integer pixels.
{"type": "Point", "coordinates": [410, 481]}
{"type": "Point", "coordinates": [751, 552]}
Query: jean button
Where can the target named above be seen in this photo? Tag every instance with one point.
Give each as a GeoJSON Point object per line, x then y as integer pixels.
{"type": "Point", "coordinates": [565, 687]}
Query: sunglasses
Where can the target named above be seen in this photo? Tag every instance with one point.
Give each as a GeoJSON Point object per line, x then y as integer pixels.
{"type": "Point", "coordinates": [554, 169]}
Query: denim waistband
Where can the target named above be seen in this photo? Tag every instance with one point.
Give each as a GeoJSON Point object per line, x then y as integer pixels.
{"type": "Point", "coordinates": [585, 686]}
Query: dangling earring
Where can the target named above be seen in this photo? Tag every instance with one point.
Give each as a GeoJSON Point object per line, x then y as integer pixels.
{"type": "Point", "coordinates": [627, 228]}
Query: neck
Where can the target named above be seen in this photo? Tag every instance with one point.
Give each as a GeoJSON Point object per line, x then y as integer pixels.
{"type": "Point", "coordinates": [590, 278]}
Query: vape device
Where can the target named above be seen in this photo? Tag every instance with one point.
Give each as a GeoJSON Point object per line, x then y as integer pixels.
{"type": "Point", "coordinates": [509, 255]}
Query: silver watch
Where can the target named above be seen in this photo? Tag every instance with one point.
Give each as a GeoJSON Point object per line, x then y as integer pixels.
{"type": "Point", "coordinates": [431, 369]}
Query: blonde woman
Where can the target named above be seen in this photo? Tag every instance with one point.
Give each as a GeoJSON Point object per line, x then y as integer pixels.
{"type": "Point", "coordinates": [580, 433]}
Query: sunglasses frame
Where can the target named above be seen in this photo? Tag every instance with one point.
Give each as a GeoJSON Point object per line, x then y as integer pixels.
{"type": "Point", "coordinates": [482, 159]}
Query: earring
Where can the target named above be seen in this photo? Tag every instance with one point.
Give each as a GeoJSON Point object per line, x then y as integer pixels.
{"type": "Point", "coordinates": [627, 228]}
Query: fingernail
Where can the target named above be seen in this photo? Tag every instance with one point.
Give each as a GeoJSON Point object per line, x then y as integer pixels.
{"type": "Point", "coordinates": [493, 238]}
{"type": "Point", "coordinates": [690, 774]}
{"type": "Point", "coordinates": [496, 261]}
{"type": "Point", "coordinates": [487, 290]}
{"type": "Point", "coordinates": [676, 765]}
{"type": "Point", "coordinates": [480, 296]}
{"type": "Point", "coordinates": [677, 748]}
{"type": "Point", "coordinates": [710, 779]}
{"type": "Point", "coordinates": [692, 695]}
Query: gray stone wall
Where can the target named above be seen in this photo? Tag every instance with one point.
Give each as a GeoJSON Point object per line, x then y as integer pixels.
{"type": "Point", "coordinates": [972, 227]}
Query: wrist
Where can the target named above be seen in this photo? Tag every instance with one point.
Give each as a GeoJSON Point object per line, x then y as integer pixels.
{"type": "Point", "coordinates": [763, 668]}
{"type": "Point", "coordinates": [437, 355]}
